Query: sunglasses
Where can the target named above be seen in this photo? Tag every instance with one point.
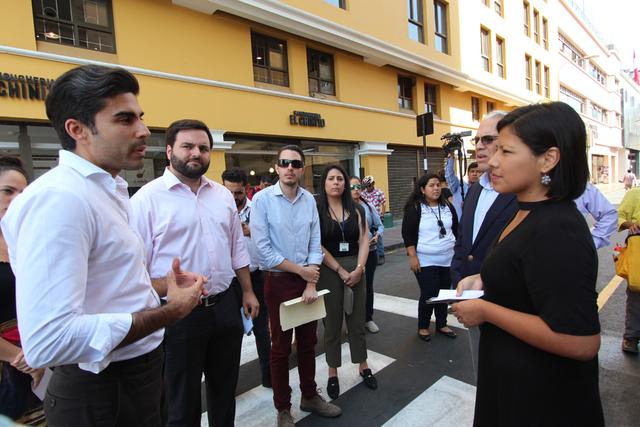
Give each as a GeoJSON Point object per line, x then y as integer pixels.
{"type": "Point", "coordinates": [296, 164]}
{"type": "Point", "coordinates": [486, 139]}
{"type": "Point", "coordinates": [356, 187]}
{"type": "Point", "coordinates": [442, 232]}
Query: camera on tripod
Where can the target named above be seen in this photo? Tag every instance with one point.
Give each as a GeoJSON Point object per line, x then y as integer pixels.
{"type": "Point", "coordinates": [453, 141]}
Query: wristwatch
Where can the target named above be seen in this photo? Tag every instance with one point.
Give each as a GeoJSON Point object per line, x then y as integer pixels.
{"type": "Point", "coordinates": [362, 267]}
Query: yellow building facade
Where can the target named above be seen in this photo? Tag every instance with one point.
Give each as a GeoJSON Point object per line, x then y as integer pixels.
{"type": "Point", "coordinates": [344, 79]}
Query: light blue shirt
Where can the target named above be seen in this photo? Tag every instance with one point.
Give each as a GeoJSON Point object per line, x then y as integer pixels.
{"type": "Point", "coordinates": [592, 202]}
{"type": "Point", "coordinates": [283, 229]}
{"type": "Point", "coordinates": [487, 196]}
{"type": "Point", "coordinates": [454, 186]}
{"type": "Point", "coordinates": [373, 219]}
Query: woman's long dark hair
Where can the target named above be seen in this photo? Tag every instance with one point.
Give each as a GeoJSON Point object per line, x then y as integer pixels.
{"type": "Point", "coordinates": [416, 197]}
{"type": "Point", "coordinates": [10, 163]}
{"type": "Point", "coordinates": [347, 201]}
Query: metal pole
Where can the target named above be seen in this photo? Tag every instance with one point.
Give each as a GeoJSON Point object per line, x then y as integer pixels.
{"type": "Point", "coordinates": [424, 142]}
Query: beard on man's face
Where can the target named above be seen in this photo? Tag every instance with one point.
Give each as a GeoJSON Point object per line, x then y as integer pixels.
{"type": "Point", "coordinates": [191, 171]}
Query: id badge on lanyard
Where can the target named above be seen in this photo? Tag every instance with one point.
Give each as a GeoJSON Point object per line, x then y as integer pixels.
{"type": "Point", "coordinates": [344, 247]}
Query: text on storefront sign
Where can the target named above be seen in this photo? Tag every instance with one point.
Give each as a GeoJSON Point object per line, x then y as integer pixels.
{"type": "Point", "coordinates": [24, 87]}
{"type": "Point", "coordinates": [303, 118]}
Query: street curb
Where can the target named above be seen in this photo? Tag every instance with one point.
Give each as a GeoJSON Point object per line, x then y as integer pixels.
{"type": "Point", "coordinates": [393, 246]}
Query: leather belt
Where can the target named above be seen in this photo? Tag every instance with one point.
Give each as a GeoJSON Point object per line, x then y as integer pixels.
{"type": "Point", "coordinates": [211, 300]}
{"type": "Point", "coordinates": [281, 274]}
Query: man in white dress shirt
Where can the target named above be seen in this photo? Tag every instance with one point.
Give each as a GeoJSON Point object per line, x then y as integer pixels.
{"type": "Point", "coordinates": [184, 212]}
{"type": "Point", "coordinates": [85, 302]}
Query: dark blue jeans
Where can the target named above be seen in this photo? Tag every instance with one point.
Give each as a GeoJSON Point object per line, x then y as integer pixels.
{"type": "Point", "coordinates": [370, 269]}
{"type": "Point", "coordinates": [431, 279]}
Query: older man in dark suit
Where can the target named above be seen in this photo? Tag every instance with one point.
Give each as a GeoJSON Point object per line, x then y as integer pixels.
{"type": "Point", "coordinates": [485, 212]}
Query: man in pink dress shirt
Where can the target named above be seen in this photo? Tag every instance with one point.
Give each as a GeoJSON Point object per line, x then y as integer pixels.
{"type": "Point", "coordinates": [184, 213]}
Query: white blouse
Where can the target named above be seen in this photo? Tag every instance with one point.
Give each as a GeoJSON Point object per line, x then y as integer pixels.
{"type": "Point", "coordinates": [431, 249]}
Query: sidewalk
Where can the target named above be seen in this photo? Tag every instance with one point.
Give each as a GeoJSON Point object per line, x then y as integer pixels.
{"type": "Point", "coordinates": [614, 192]}
{"type": "Point", "coordinates": [393, 236]}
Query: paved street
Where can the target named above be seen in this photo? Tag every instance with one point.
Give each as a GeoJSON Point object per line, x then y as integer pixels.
{"type": "Point", "coordinates": [432, 384]}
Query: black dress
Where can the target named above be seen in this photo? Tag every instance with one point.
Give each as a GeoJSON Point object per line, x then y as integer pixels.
{"type": "Point", "coordinates": [546, 266]}
{"type": "Point", "coordinates": [15, 387]}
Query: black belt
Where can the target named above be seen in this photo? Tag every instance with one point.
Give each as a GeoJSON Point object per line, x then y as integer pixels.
{"type": "Point", "coordinates": [211, 300]}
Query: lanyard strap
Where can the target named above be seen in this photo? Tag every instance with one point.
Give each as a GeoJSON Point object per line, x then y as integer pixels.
{"type": "Point", "coordinates": [340, 224]}
{"type": "Point", "coordinates": [439, 216]}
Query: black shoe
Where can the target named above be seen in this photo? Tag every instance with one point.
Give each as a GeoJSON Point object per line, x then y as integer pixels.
{"type": "Point", "coordinates": [266, 382]}
{"type": "Point", "coordinates": [368, 379]}
{"type": "Point", "coordinates": [426, 337]}
{"type": "Point", "coordinates": [449, 334]}
{"type": "Point", "coordinates": [333, 388]}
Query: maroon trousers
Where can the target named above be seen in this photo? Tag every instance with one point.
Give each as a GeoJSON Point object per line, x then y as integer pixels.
{"type": "Point", "coordinates": [278, 288]}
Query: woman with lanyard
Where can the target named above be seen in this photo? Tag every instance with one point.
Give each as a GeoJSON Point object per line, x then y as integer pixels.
{"type": "Point", "coordinates": [375, 231]}
{"type": "Point", "coordinates": [345, 244]}
{"type": "Point", "coordinates": [428, 229]}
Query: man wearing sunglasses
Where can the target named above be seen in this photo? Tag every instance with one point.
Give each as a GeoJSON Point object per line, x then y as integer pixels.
{"type": "Point", "coordinates": [485, 212]}
{"type": "Point", "coordinates": [286, 230]}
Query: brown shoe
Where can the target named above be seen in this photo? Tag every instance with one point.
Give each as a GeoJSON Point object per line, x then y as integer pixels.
{"type": "Point", "coordinates": [319, 406]}
{"type": "Point", "coordinates": [630, 345]}
{"type": "Point", "coordinates": [285, 419]}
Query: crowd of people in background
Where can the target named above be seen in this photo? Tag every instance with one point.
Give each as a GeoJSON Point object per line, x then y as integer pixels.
{"type": "Point", "coordinates": [101, 280]}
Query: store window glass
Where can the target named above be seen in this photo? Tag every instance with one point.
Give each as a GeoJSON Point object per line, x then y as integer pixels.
{"type": "Point", "coordinates": [44, 147]}
{"type": "Point", "coordinates": [257, 157]}
{"type": "Point", "coordinates": [81, 23]}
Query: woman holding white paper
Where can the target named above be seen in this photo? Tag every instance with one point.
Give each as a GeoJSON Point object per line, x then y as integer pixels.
{"type": "Point", "coordinates": [345, 245]}
{"type": "Point", "coordinates": [429, 232]}
{"type": "Point", "coordinates": [539, 325]}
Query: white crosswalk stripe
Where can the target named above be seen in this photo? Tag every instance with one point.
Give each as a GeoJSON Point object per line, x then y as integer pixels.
{"type": "Point", "coordinates": [405, 307]}
{"type": "Point", "coordinates": [255, 407]}
{"type": "Point", "coordinates": [446, 403]}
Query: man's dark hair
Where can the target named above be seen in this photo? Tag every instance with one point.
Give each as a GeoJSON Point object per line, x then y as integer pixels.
{"type": "Point", "coordinates": [292, 148]}
{"type": "Point", "coordinates": [10, 163]}
{"type": "Point", "coordinates": [235, 175]}
{"type": "Point", "coordinates": [472, 165]}
{"type": "Point", "coordinates": [186, 124]}
{"type": "Point", "coordinates": [81, 93]}
{"type": "Point", "coordinates": [554, 124]}
{"type": "Point", "coordinates": [266, 178]}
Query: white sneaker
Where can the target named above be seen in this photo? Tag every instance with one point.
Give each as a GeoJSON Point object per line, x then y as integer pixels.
{"type": "Point", "coordinates": [372, 327]}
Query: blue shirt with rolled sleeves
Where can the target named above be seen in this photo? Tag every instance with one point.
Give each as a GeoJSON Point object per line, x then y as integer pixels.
{"type": "Point", "coordinates": [283, 229]}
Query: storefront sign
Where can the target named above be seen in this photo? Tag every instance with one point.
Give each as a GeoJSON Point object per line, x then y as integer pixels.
{"type": "Point", "coordinates": [303, 118]}
{"type": "Point", "coordinates": [24, 87]}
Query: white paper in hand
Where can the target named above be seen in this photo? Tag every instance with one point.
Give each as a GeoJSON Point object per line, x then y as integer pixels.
{"type": "Point", "coordinates": [295, 313]}
{"type": "Point", "coordinates": [44, 382]}
{"type": "Point", "coordinates": [449, 296]}
{"type": "Point", "coordinates": [247, 323]}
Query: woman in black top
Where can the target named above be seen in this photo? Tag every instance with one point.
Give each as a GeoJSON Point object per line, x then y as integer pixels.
{"type": "Point", "coordinates": [16, 376]}
{"type": "Point", "coordinates": [345, 244]}
{"type": "Point", "coordinates": [540, 332]}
